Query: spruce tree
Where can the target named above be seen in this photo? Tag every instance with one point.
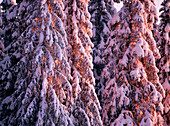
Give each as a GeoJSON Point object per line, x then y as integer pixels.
{"type": "Point", "coordinates": [133, 93]}
{"type": "Point", "coordinates": [7, 28]}
{"type": "Point", "coordinates": [35, 87]}
{"type": "Point", "coordinates": [101, 13]}
{"type": "Point", "coordinates": [164, 62]}
{"type": "Point", "coordinates": [79, 31]}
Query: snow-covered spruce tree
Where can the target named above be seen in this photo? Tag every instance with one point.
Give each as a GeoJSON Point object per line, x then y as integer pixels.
{"type": "Point", "coordinates": [164, 62]}
{"type": "Point", "coordinates": [35, 89]}
{"type": "Point", "coordinates": [79, 30]}
{"type": "Point", "coordinates": [101, 12]}
{"type": "Point", "coordinates": [9, 30]}
{"type": "Point", "coordinates": [4, 23]}
{"type": "Point", "coordinates": [133, 94]}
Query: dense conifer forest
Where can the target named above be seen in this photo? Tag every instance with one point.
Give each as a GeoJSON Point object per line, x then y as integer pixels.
{"type": "Point", "coordinates": [84, 63]}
